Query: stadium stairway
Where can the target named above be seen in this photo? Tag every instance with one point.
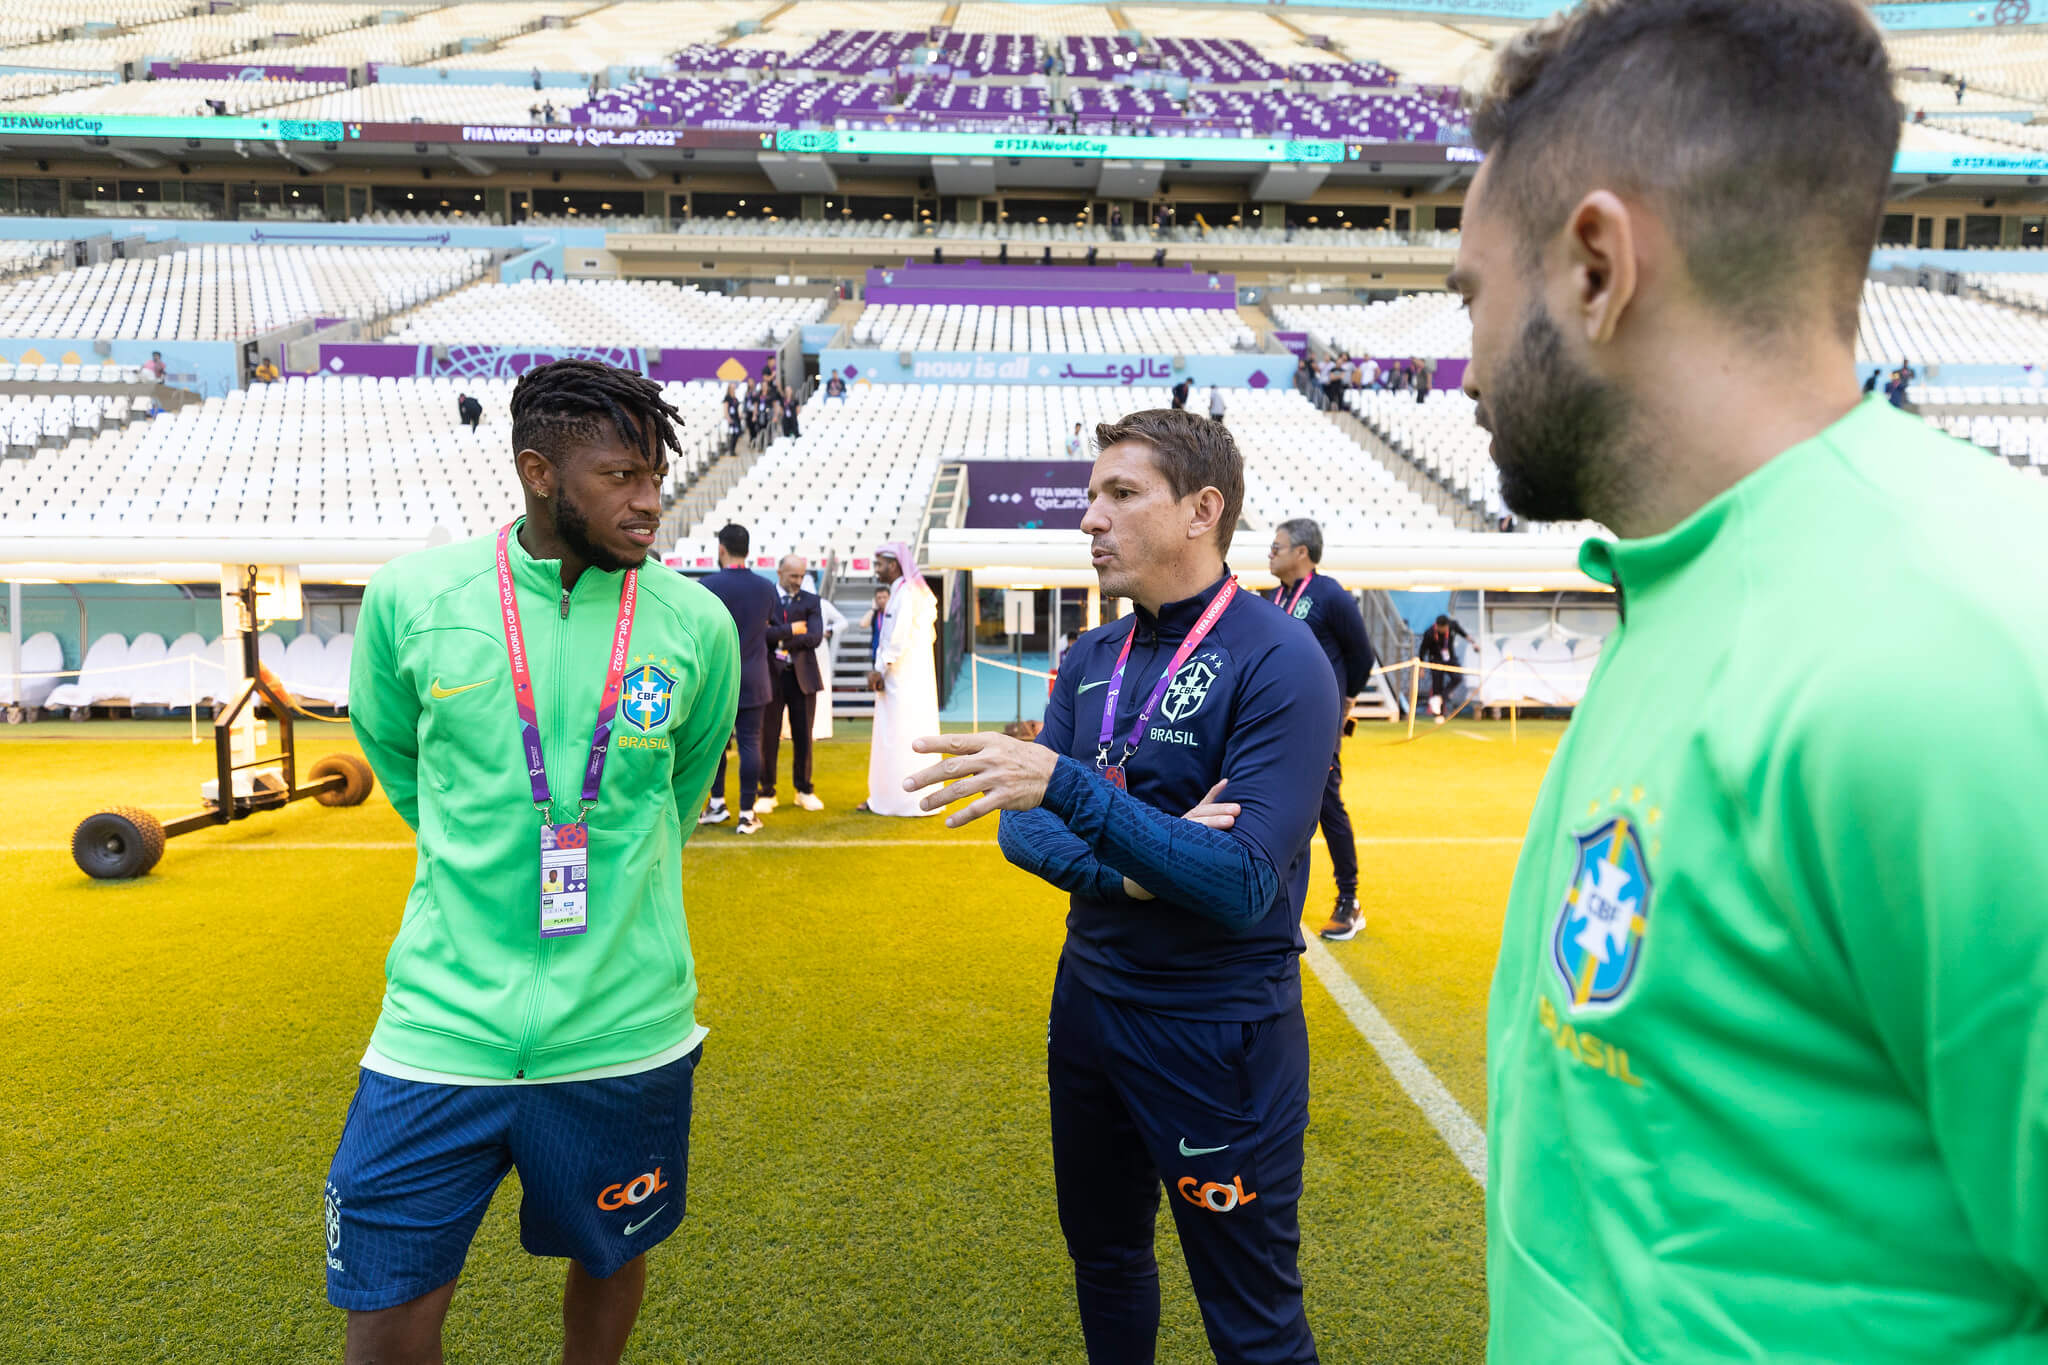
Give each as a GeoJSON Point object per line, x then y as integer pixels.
{"type": "Point", "coordinates": [851, 700]}
{"type": "Point", "coordinates": [1433, 490]}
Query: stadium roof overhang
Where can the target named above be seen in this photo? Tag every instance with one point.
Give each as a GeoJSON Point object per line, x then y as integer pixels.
{"type": "Point", "coordinates": [1059, 559]}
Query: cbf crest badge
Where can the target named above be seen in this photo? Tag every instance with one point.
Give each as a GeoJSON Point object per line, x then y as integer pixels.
{"type": "Point", "coordinates": [1597, 942]}
{"type": "Point", "coordinates": [648, 695]}
{"type": "Point", "coordinates": [1190, 687]}
{"type": "Point", "coordinates": [1301, 609]}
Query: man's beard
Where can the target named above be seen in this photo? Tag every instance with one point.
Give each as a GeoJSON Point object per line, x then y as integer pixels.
{"type": "Point", "coordinates": [1557, 430]}
{"type": "Point", "coordinates": [574, 529]}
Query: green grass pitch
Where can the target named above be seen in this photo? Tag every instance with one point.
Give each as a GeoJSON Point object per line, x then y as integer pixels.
{"type": "Point", "coordinates": [870, 1179]}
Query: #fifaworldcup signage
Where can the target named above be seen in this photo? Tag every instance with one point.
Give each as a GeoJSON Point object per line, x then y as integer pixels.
{"type": "Point", "coordinates": [827, 142]}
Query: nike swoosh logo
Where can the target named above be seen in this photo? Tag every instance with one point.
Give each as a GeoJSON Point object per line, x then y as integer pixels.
{"type": "Point", "coordinates": [632, 1228]}
{"type": "Point", "coordinates": [440, 691]}
{"type": "Point", "coordinates": [1085, 686]}
{"type": "Point", "coordinates": [1186, 1150]}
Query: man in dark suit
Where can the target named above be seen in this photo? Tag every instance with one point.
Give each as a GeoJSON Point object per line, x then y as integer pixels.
{"type": "Point", "coordinates": [794, 634]}
{"type": "Point", "coordinates": [752, 601]}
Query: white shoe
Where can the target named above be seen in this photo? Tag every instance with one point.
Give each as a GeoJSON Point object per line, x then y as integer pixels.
{"type": "Point", "coordinates": [714, 814]}
{"type": "Point", "coordinates": [1439, 720]}
{"type": "Point", "coordinates": [809, 801]}
{"type": "Point", "coordinates": [765, 806]}
{"type": "Point", "coordinates": [750, 823]}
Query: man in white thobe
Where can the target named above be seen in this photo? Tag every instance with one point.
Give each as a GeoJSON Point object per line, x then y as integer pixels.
{"type": "Point", "coordinates": [905, 682]}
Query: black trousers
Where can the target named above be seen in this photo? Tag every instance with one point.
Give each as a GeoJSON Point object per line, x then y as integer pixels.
{"type": "Point", "coordinates": [1442, 683]}
{"type": "Point", "coordinates": [802, 707]}
{"type": "Point", "coordinates": [1336, 822]}
{"type": "Point", "coordinates": [746, 733]}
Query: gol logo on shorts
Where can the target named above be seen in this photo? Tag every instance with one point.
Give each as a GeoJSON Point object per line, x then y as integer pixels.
{"type": "Point", "coordinates": [632, 1192]}
{"type": "Point", "coordinates": [1216, 1198]}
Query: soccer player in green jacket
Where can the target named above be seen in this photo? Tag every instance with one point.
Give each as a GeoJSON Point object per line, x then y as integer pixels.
{"type": "Point", "coordinates": [545, 709]}
{"type": "Point", "coordinates": [1768, 1039]}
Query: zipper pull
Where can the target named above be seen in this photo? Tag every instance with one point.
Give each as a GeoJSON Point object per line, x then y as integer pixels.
{"type": "Point", "coordinates": [565, 604]}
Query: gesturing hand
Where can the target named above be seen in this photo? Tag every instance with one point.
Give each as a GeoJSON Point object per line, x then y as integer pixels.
{"type": "Point", "coordinates": [1002, 773]}
{"type": "Point", "coordinates": [1207, 811]}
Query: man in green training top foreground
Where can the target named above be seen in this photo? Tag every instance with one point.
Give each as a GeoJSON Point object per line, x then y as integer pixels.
{"type": "Point", "coordinates": [1768, 1040]}
{"type": "Point", "coordinates": [546, 712]}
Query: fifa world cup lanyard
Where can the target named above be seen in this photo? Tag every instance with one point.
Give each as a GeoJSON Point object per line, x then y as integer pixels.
{"type": "Point", "coordinates": [564, 849]}
{"type": "Point", "coordinates": [1113, 773]}
{"type": "Point", "coordinates": [1299, 588]}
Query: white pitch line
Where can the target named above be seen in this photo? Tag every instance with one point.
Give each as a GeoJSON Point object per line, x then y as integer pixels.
{"type": "Point", "coordinates": [1466, 1139]}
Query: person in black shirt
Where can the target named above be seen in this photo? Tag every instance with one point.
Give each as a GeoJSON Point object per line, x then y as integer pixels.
{"type": "Point", "coordinates": [1439, 645]}
{"type": "Point", "coordinates": [469, 410]}
{"type": "Point", "coordinates": [1332, 616]}
{"type": "Point", "coordinates": [1180, 393]}
{"type": "Point", "coordinates": [754, 606]}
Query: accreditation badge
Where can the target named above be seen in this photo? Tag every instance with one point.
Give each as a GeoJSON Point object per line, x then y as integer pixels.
{"type": "Point", "coordinates": [564, 879]}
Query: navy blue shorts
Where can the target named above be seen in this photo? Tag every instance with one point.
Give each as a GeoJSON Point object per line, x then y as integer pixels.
{"type": "Point", "coordinates": [603, 1165]}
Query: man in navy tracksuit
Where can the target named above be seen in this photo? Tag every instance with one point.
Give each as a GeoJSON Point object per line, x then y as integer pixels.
{"type": "Point", "coordinates": [1177, 1049]}
{"type": "Point", "coordinates": [1321, 603]}
{"type": "Point", "coordinates": [753, 605]}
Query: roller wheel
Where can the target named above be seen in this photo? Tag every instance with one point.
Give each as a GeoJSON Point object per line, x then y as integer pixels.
{"type": "Point", "coordinates": [354, 791]}
{"type": "Point", "coordinates": [117, 844]}
{"type": "Point", "coordinates": [16, 715]}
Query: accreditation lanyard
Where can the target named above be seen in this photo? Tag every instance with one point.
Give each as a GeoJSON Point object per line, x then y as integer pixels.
{"type": "Point", "coordinates": [1299, 588]}
{"type": "Point", "coordinates": [564, 849]}
{"type": "Point", "coordinates": [1113, 773]}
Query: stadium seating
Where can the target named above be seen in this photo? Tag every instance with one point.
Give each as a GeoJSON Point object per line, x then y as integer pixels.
{"type": "Point", "coordinates": [180, 97]}
{"type": "Point", "coordinates": [2005, 60]}
{"type": "Point", "coordinates": [42, 655]}
{"type": "Point", "coordinates": [1440, 436]}
{"type": "Point", "coordinates": [31, 420]}
{"type": "Point", "coordinates": [606, 313]}
{"type": "Point", "coordinates": [1903, 323]}
{"type": "Point", "coordinates": [2023, 441]}
{"type": "Point", "coordinates": [230, 292]}
{"type": "Point", "coordinates": [1433, 324]}
{"type": "Point", "coordinates": [430, 104]}
{"type": "Point", "coordinates": [1006, 327]}
{"type": "Point", "coordinates": [333, 456]}
{"type": "Point", "coordinates": [863, 469]}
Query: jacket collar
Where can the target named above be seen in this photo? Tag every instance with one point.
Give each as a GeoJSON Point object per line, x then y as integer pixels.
{"type": "Point", "coordinates": [1176, 619]}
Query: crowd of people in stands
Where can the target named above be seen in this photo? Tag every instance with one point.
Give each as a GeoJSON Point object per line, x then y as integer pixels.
{"type": "Point", "coordinates": [766, 405]}
{"type": "Point", "coordinates": [1324, 380]}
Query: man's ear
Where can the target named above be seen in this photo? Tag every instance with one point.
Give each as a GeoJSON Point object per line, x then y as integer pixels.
{"type": "Point", "coordinates": [1601, 236]}
{"type": "Point", "coordinates": [537, 472]}
{"type": "Point", "coordinates": [1208, 510]}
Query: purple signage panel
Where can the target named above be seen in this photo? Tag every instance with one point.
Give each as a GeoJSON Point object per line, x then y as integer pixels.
{"type": "Point", "coordinates": [198, 71]}
{"type": "Point", "coordinates": [1052, 298]}
{"type": "Point", "coordinates": [1033, 495]}
{"type": "Point", "coordinates": [1296, 342]}
{"type": "Point", "coordinates": [379, 361]}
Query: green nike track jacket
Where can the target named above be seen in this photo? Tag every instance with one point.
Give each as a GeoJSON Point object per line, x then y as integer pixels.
{"type": "Point", "coordinates": [471, 988]}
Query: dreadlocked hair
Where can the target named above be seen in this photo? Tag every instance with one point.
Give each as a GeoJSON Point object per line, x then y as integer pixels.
{"type": "Point", "coordinates": [568, 402]}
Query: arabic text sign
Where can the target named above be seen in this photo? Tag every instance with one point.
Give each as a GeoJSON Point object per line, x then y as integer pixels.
{"type": "Point", "coordinates": [1257, 370]}
{"type": "Point", "coordinates": [1040, 495]}
{"type": "Point", "coordinates": [886, 143]}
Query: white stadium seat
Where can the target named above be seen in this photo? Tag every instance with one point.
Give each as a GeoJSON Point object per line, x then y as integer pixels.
{"type": "Point", "coordinates": [100, 676]}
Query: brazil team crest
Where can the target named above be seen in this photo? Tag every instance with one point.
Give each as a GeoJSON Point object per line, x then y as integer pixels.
{"type": "Point", "coordinates": [1597, 942]}
{"type": "Point", "coordinates": [1301, 609]}
{"type": "Point", "coordinates": [648, 694]}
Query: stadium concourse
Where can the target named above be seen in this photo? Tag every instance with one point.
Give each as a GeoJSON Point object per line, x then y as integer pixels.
{"type": "Point", "coordinates": [892, 261]}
